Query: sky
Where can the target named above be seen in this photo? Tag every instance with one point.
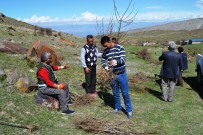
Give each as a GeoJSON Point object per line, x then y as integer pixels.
{"type": "Point", "coordinates": [69, 12]}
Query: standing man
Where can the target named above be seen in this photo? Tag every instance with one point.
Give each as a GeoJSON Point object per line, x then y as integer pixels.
{"type": "Point", "coordinates": [114, 56]}
{"type": "Point", "coordinates": [48, 83]}
{"type": "Point", "coordinates": [183, 56]}
{"type": "Point", "coordinates": [171, 67]}
{"type": "Point", "coordinates": [88, 58]}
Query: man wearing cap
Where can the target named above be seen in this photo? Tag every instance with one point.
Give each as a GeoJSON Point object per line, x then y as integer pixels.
{"type": "Point", "coordinates": [48, 83]}
{"type": "Point", "coordinates": [171, 67]}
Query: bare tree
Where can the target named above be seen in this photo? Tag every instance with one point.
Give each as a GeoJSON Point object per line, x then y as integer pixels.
{"type": "Point", "coordinates": [124, 19]}
{"type": "Point", "coordinates": [103, 29]}
{"type": "Point", "coordinates": [118, 20]}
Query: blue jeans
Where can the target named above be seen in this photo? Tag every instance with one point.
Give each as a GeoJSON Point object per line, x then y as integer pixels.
{"type": "Point", "coordinates": [121, 82]}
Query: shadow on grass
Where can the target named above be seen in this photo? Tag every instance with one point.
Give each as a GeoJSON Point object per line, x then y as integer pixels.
{"type": "Point", "coordinates": [192, 81]}
{"type": "Point", "coordinates": [109, 100]}
{"type": "Point", "coordinates": [155, 93]}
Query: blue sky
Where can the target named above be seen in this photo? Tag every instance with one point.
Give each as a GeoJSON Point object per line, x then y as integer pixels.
{"type": "Point", "coordinates": [66, 12]}
{"type": "Point", "coordinates": [81, 11]}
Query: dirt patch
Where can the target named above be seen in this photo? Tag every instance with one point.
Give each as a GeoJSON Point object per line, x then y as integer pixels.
{"type": "Point", "coordinates": [94, 125]}
{"type": "Point", "coordinates": [81, 100]}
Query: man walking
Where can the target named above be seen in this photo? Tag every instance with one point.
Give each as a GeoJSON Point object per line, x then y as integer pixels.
{"type": "Point", "coordinates": [183, 56]}
{"type": "Point", "coordinates": [88, 58]}
{"type": "Point", "coordinates": [171, 68]}
{"type": "Point", "coordinates": [114, 57]}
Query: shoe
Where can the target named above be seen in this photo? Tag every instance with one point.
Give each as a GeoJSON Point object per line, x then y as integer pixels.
{"type": "Point", "coordinates": [130, 115]}
{"type": "Point", "coordinates": [70, 103]}
{"type": "Point", "coordinates": [68, 112]}
{"type": "Point", "coordinates": [116, 111]}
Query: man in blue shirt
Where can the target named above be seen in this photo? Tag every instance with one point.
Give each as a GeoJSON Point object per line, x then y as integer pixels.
{"type": "Point", "coordinates": [88, 59]}
{"type": "Point", "coordinates": [114, 57]}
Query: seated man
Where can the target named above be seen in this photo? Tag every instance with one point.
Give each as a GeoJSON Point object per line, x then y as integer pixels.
{"type": "Point", "coordinates": [48, 84]}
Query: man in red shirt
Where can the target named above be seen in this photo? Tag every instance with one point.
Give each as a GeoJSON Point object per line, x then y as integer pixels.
{"type": "Point", "coordinates": [48, 83]}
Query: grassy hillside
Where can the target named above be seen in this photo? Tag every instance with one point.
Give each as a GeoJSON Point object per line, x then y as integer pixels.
{"type": "Point", "coordinates": [183, 116]}
{"type": "Point", "coordinates": [162, 36]}
{"type": "Point", "coordinates": [151, 115]}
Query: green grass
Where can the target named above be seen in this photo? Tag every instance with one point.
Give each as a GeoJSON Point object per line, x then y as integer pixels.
{"type": "Point", "coordinates": [183, 116]}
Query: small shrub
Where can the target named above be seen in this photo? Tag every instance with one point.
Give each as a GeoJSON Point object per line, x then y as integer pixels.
{"type": "Point", "coordinates": [145, 54]}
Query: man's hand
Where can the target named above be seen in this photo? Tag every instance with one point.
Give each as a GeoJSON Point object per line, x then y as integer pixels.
{"type": "Point", "coordinates": [61, 86]}
{"type": "Point", "coordinates": [107, 68]}
{"type": "Point", "coordinates": [113, 62]}
{"type": "Point", "coordinates": [87, 70]}
{"type": "Point", "coordinates": [64, 67]}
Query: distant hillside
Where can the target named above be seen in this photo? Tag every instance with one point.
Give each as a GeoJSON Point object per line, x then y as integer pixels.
{"type": "Point", "coordinates": [25, 34]}
{"type": "Point", "coordinates": [192, 24]}
{"type": "Point", "coordinates": [161, 34]}
{"type": "Point", "coordinates": [10, 21]}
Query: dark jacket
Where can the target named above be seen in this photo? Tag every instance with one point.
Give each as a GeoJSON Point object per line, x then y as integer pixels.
{"type": "Point", "coordinates": [172, 64]}
{"type": "Point", "coordinates": [184, 60]}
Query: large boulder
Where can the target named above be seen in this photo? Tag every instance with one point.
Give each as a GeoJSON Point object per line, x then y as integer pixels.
{"type": "Point", "coordinates": [39, 47]}
{"type": "Point", "coordinates": [24, 84]}
{"type": "Point", "coordinates": [13, 48]}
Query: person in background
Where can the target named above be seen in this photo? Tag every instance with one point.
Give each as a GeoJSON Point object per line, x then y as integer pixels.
{"type": "Point", "coordinates": [114, 56]}
{"type": "Point", "coordinates": [184, 64]}
{"type": "Point", "coordinates": [49, 85]}
{"type": "Point", "coordinates": [172, 65]}
{"type": "Point", "coordinates": [114, 40]}
{"type": "Point", "coordinates": [88, 57]}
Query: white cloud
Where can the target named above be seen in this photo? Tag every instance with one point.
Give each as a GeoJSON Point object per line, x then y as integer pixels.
{"type": "Point", "coordinates": [89, 18]}
{"type": "Point", "coordinates": [86, 17]}
{"type": "Point", "coordinates": [166, 16]}
{"type": "Point", "coordinates": [199, 3]}
{"type": "Point", "coordinates": [154, 7]}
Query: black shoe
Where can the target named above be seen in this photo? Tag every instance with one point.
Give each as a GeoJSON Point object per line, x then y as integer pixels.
{"type": "Point", "coordinates": [68, 112]}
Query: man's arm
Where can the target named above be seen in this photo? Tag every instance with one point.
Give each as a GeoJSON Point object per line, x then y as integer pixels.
{"type": "Point", "coordinates": [103, 60]}
{"type": "Point", "coordinates": [161, 57]}
{"type": "Point", "coordinates": [43, 73]}
{"type": "Point", "coordinates": [122, 59]}
{"type": "Point", "coordinates": [82, 58]}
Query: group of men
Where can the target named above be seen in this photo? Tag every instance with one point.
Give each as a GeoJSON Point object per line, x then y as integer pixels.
{"type": "Point", "coordinates": [112, 58]}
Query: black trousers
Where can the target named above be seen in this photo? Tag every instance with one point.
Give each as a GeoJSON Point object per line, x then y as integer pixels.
{"type": "Point", "coordinates": [180, 79]}
{"type": "Point", "coordinates": [90, 80]}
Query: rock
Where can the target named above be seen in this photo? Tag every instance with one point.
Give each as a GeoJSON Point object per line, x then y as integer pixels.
{"type": "Point", "coordinates": [47, 101]}
{"type": "Point", "coordinates": [13, 48]}
{"type": "Point", "coordinates": [24, 84]}
{"type": "Point", "coordinates": [13, 77]}
{"type": "Point", "coordinates": [38, 47]}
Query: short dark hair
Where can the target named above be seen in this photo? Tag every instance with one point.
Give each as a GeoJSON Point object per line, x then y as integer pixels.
{"type": "Point", "coordinates": [114, 38]}
{"type": "Point", "coordinates": [44, 56]}
{"type": "Point", "coordinates": [180, 49]}
{"type": "Point", "coordinates": [104, 39]}
{"type": "Point", "coordinates": [89, 36]}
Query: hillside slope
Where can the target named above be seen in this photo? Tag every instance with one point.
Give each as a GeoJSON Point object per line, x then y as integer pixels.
{"type": "Point", "coordinates": [192, 24]}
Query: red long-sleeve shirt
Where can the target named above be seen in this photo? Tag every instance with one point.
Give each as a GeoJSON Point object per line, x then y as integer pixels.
{"type": "Point", "coordinates": [44, 74]}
